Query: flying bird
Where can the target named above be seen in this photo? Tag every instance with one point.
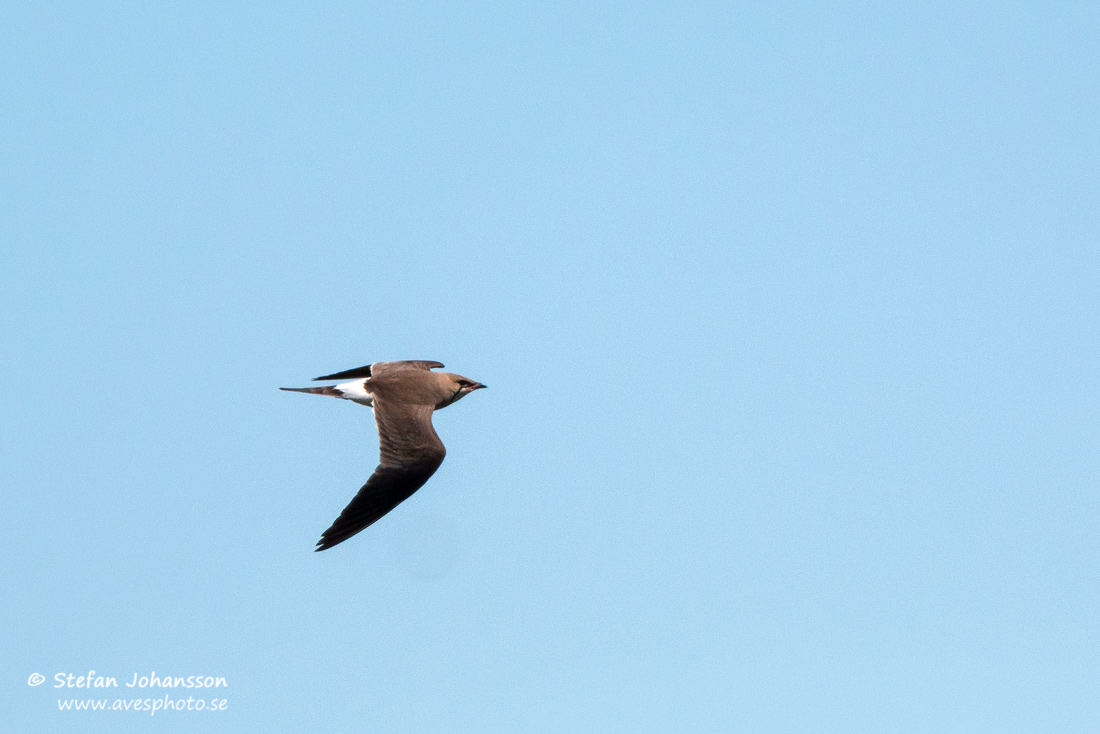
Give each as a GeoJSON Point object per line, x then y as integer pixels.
{"type": "Point", "coordinates": [403, 396]}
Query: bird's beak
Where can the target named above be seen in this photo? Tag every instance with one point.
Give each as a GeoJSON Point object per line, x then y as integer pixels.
{"type": "Point", "coordinates": [478, 386]}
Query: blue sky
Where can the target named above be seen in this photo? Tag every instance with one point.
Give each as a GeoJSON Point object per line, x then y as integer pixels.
{"type": "Point", "coordinates": [788, 312]}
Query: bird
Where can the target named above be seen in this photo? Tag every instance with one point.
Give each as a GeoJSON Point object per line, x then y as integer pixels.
{"type": "Point", "coordinates": [403, 396]}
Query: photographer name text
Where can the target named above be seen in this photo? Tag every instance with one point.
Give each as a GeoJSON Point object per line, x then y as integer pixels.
{"type": "Point", "coordinates": [93, 680]}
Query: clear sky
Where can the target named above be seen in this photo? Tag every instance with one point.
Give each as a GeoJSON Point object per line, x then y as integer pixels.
{"type": "Point", "coordinates": [788, 311]}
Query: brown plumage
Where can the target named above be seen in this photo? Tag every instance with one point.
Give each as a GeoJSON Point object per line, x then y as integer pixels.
{"type": "Point", "coordinates": [404, 395]}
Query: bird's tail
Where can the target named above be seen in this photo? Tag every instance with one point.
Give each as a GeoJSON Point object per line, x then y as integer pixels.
{"type": "Point", "coordinates": [326, 390]}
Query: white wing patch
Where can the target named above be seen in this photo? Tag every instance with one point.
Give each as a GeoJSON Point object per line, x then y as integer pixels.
{"type": "Point", "coordinates": [356, 391]}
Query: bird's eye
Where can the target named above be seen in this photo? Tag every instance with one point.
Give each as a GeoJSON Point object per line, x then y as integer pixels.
{"type": "Point", "coordinates": [464, 383]}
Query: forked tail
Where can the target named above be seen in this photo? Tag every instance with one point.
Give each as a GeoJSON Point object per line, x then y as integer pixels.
{"type": "Point", "coordinates": [329, 390]}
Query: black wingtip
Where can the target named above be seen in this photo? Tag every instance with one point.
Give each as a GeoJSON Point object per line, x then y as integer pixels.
{"type": "Point", "coordinates": [326, 543]}
{"type": "Point", "coordinates": [363, 371]}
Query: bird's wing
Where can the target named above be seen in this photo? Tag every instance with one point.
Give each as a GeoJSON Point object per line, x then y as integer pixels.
{"type": "Point", "coordinates": [363, 371]}
{"type": "Point", "coordinates": [409, 364]}
{"type": "Point", "coordinates": [410, 453]}
{"type": "Point", "coordinates": [380, 367]}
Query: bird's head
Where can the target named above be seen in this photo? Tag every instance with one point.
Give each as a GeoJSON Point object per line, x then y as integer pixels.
{"type": "Point", "coordinates": [457, 388]}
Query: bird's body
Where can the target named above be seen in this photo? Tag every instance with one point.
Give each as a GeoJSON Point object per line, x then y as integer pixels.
{"type": "Point", "coordinates": [404, 395]}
